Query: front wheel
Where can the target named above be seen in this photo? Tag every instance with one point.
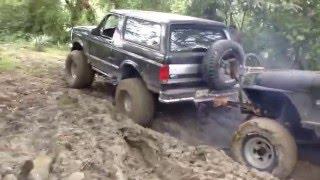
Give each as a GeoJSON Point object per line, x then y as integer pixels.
{"type": "Point", "coordinates": [78, 71]}
{"type": "Point", "coordinates": [265, 145]}
{"type": "Point", "coordinates": [135, 100]}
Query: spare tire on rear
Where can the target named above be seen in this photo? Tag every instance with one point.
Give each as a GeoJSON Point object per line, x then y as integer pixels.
{"type": "Point", "coordinates": [218, 54]}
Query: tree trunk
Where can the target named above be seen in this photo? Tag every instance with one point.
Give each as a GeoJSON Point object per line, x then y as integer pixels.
{"type": "Point", "coordinates": [115, 4]}
{"type": "Point", "coordinates": [298, 59]}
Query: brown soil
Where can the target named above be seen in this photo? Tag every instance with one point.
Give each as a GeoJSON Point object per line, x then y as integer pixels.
{"type": "Point", "coordinates": [81, 132]}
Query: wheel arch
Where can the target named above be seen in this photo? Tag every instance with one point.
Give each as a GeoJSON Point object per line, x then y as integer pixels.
{"type": "Point", "coordinates": [81, 45]}
{"type": "Point", "coordinates": [275, 104]}
{"type": "Point", "coordinates": [130, 69]}
{"type": "Point", "coordinates": [77, 45]}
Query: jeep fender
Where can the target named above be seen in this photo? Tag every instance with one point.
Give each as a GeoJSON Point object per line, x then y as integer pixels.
{"type": "Point", "coordinates": [274, 103]}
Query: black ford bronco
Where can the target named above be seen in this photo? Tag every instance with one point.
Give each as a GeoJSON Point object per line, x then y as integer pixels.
{"type": "Point", "coordinates": [151, 54]}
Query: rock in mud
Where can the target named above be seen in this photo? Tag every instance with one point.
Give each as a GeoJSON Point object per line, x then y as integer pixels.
{"type": "Point", "coordinates": [4, 98]}
{"type": "Point", "coordinates": [9, 177]}
{"type": "Point", "coordinates": [25, 170]}
{"type": "Point", "coordinates": [76, 176]}
{"type": "Point", "coordinates": [41, 168]}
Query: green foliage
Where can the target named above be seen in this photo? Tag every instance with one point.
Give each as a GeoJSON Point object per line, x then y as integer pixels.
{"type": "Point", "coordinates": [40, 42]}
{"type": "Point", "coordinates": [280, 30]}
{"type": "Point", "coordinates": [12, 16]}
{"type": "Point", "coordinates": [180, 6]}
{"type": "Point", "coordinates": [294, 26]}
{"type": "Point", "coordinates": [47, 17]}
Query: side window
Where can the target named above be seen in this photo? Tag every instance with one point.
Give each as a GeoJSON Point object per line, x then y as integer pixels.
{"type": "Point", "coordinates": [110, 26]}
{"type": "Point", "coordinates": [143, 32]}
{"type": "Point", "coordinates": [186, 37]}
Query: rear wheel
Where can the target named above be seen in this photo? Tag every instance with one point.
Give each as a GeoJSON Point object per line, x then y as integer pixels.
{"type": "Point", "coordinates": [78, 71]}
{"type": "Point", "coordinates": [265, 145]}
{"type": "Point", "coordinates": [135, 100]}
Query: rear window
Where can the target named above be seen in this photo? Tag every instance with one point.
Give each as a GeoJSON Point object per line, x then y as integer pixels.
{"type": "Point", "coordinates": [191, 37]}
{"type": "Point", "coordinates": [143, 32]}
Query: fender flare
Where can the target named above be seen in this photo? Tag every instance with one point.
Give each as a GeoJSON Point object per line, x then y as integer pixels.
{"type": "Point", "coordinates": [132, 64]}
{"type": "Point", "coordinates": [283, 103]}
{"type": "Point", "coordinates": [82, 43]}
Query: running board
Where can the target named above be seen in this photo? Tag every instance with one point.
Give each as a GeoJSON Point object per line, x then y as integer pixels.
{"type": "Point", "coordinates": [109, 78]}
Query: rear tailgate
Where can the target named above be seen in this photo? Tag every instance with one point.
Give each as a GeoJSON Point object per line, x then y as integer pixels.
{"type": "Point", "coordinates": [185, 70]}
{"type": "Point", "coordinates": [187, 45]}
{"type": "Point", "coordinates": [186, 83]}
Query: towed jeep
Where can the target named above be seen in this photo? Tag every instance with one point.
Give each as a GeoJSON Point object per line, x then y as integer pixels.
{"type": "Point", "coordinates": [284, 109]}
{"type": "Point", "coordinates": [151, 54]}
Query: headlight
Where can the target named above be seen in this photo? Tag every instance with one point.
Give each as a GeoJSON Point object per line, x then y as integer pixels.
{"type": "Point", "coordinates": [318, 102]}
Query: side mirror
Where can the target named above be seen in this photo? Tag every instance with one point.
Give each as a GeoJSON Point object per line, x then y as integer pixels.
{"type": "Point", "coordinates": [95, 31]}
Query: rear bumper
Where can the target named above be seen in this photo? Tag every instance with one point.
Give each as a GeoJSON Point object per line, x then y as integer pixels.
{"type": "Point", "coordinates": [197, 95]}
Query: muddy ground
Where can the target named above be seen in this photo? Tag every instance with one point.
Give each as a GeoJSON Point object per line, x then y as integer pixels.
{"type": "Point", "coordinates": [80, 132]}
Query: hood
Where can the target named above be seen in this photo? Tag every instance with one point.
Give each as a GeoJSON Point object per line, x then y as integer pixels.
{"type": "Point", "coordinates": [290, 80]}
{"type": "Point", "coordinates": [88, 28]}
{"type": "Point", "coordinates": [83, 29]}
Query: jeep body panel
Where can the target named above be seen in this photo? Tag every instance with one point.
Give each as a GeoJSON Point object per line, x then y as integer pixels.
{"type": "Point", "coordinates": [273, 91]}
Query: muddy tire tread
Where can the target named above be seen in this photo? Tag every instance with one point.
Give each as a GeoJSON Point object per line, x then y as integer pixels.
{"type": "Point", "coordinates": [280, 137]}
{"type": "Point", "coordinates": [142, 99]}
{"type": "Point", "coordinates": [84, 71]}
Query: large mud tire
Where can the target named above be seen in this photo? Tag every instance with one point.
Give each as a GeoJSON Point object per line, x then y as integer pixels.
{"type": "Point", "coordinates": [281, 141]}
{"type": "Point", "coordinates": [212, 63]}
{"type": "Point", "coordinates": [78, 71]}
{"type": "Point", "coordinates": [135, 100]}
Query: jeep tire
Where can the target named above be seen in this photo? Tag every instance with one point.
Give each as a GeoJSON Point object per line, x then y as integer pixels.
{"type": "Point", "coordinates": [265, 145]}
{"type": "Point", "coordinates": [135, 100]}
{"type": "Point", "coordinates": [213, 60]}
{"type": "Point", "coordinates": [78, 71]}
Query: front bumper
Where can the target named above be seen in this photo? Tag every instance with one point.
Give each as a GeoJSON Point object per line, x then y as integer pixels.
{"type": "Point", "coordinates": [198, 95]}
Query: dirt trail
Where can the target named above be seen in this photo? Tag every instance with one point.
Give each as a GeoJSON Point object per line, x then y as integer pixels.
{"type": "Point", "coordinates": [79, 130]}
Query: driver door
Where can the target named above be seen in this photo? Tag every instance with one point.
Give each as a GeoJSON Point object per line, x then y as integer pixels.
{"type": "Point", "coordinates": [101, 45]}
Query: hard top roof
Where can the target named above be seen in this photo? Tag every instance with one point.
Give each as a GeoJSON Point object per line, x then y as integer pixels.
{"type": "Point", "coordinates": [160, 17]}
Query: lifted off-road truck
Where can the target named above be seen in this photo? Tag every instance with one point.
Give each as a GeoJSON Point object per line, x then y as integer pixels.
{"type": "Point", "coordinates": [151, 54]}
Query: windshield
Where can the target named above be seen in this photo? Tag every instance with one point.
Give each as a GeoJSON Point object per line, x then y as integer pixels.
{"type": "Point", "coordinates": [191, 37]}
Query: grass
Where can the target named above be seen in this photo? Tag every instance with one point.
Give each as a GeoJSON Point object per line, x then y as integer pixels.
{"type": "Point", "coordinates": [22, 55]}
{"type": "Point", "coordinates": [57, 50]}
{"type": "Point", "coordinates": [7, 63]}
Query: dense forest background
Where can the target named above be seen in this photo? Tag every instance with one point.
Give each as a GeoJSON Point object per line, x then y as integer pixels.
{"type": "Point", "coordinates": [282, 31]}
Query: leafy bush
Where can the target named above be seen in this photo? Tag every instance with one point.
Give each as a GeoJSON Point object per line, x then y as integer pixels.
{"type": "Point", "coordinates": [5, 36]}
{"type": "Point", "coordinates": [12, 16]}
{"type": "Point", "coordinates": [47, 17]}
{"type": "Point", "coordinates": [41, 42]}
